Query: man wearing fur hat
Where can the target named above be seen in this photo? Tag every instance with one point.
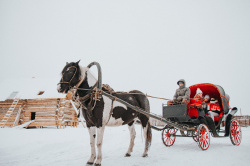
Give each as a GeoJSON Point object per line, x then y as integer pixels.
{"type": "Point", "coordinates": [182, 94]}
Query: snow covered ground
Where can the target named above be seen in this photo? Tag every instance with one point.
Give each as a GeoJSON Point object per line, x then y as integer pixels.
{"type": "Point", "coordinates": [58, 147]}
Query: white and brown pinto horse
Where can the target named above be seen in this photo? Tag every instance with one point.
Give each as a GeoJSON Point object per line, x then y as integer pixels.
{"type": "Point", "coordinates": [105, 112]}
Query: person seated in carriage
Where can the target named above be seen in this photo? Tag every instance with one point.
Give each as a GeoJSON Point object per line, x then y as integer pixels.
{"type": "Point", "coordinates": [214, 108]}
{"type": "Point", "coordinates": [210, 114]}
{"type": "Point", "coordinates": [182, 94]}
{"type": "Point", "coordinates": [207, 99]}
{"type": "Point", "coordinates": [197, 101]}
{"type": "Point", "coordinates": [206, 105]}
{"type": "Point", "coordinates": [198, 95]}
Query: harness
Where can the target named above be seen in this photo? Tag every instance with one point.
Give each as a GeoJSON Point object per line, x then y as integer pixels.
{"type": "Point", "coordinates": [93, 94]}
{"type": "Point", "coordinates": [64, 82]}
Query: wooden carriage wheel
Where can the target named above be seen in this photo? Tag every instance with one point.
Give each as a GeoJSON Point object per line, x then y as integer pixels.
{"type": "Point", "coordinates": [168, 136]}
{"type": "Point", "coordinates": [203, 137]}
{"type": "Point", "coordinates": [235, 132]}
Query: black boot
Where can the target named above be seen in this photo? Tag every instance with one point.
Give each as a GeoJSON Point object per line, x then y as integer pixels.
{"type": "Point", "coordinates": [211, 126]}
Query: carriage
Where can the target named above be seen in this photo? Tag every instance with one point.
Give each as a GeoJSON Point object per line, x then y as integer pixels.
{"type": "Point", "coordinates": [190, 117]}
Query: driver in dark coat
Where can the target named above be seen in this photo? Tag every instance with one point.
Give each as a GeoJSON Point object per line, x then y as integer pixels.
{"type": "Point", "coordinates": [182, 94]}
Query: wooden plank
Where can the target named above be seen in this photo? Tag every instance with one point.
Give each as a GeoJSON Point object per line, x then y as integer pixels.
{"type": "Point", "coordinates": [45, 118]}
{"type": "Point", "coordinates": [45, 115]}
{"type": "Point", "coordinates": [8, 106]}
{"type": "Point", "coordinates": [41, 108]}
{"type": "Point", "coordinates": [34, 124]}
{"type": "Point", "coordinates": [40, 105]}
{"type": "Point", "coordinates": [39, 111]}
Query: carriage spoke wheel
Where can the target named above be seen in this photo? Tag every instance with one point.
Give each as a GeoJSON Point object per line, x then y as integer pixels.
{"type": "Point", "coordinates": [235, 132]}
{"type": "Point", "coordinates": [203, 137]}
{"type": "Point", "coordinates": [168, 136]}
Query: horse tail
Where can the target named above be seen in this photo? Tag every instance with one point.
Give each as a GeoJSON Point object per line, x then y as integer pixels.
{"type": "Point", "coordinates": [149, 134]}
{"type": "Point", "coordinates": [144, 104]}
{"type": "Point", "coordinates": [141, 99]}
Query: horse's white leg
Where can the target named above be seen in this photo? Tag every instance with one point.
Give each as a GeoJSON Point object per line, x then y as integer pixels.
{"type": "Point", "coordinates": [92, 135]}
{"type": "Point", "coordinates": [147, 136]}
{"type": "Point", "coordinates": [100, 132]}
{"type": "Point", "coordinates": [132, 139]}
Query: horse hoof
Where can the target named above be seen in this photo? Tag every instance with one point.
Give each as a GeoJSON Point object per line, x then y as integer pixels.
{"type": "Point", "coordinates": [127, 155]}
{"type": "Point", "coordinates": [97, 164]}
{"type": "Point", "coordinates": [89, 163]}
{"type": "Point", "coordinates": [145, 155]}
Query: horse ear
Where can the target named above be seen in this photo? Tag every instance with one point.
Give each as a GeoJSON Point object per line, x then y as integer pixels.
{"type": "Point", "coordinates": [78, 62]}
{"type": "Point", "coordinates": [67, 63]}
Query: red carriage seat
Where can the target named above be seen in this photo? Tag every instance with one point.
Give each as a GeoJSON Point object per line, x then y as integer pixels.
{"type": "Point", "coordinates": [208, 89]}
{"type": "Point", "coordinates": [218, 117]}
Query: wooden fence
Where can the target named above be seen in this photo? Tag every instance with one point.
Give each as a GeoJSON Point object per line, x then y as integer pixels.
{"type": "Point", "coordinates": [243, 120]}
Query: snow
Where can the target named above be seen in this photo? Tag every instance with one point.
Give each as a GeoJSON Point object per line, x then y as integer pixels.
{"type": "Point", "coordinates": [70, 146]}
{"type": "Point", "coordinates": [24, 125]}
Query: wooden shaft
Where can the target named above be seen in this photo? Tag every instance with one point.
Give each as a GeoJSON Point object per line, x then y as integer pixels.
{"type": "Point", "coordinates": [146, 113]}
{"type": "Point", "coordinates": [157, 97]}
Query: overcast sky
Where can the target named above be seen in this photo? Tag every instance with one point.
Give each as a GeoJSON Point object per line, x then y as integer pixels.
{"type": "Point", "coordinates": [141, 44]}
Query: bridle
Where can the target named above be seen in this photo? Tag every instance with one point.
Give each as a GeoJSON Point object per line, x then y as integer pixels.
{"type": "Point", "coordinates": [69, 82]}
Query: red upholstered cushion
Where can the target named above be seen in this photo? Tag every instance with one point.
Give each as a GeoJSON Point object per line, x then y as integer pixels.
{"type": "Point", "coordinates": [218, 117]}
{"type": "Point", "coordinates": [192, 112]}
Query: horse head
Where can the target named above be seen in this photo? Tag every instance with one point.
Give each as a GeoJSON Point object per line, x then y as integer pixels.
{"type": "Point", "coordinates": [71, 76]}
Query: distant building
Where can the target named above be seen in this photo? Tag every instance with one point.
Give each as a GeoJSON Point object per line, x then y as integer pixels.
{"type": "Point", "coordinates": [35, 103]}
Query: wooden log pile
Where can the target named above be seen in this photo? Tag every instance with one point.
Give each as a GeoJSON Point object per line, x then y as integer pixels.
{"type": "Point", "coordinates": [51, 112]}
{"type": "Point", "coordinates": [243, 120]}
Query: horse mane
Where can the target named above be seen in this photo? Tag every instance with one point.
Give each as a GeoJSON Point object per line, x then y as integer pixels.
{"type": "Point", "coordinates": [83, 71]}
{"type": "Point", "coordinates": [91, 78]}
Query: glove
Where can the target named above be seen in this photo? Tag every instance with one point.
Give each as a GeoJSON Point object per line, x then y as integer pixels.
{"type": "Point", "coordinates": [179, 98]}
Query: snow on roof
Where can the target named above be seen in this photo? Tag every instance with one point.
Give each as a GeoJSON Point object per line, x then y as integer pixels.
{"type": "Point", "coordinates": [29, 88]}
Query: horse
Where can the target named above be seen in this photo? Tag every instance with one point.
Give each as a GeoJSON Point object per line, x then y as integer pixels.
{"type": "Point", "coordinates": [100, 111]}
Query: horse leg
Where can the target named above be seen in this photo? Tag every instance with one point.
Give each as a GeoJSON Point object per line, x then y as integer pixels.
{"type": "Point", "coordinates": [100, 132]}
{"type": "Point", "coordinates": [92, 135]}
{"type": "Point", "coordinates": [131, 128]}
{"type": "Point", "coordinates": [147, 134]}
{"type": "Point", "coordinates": [148, 138]}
